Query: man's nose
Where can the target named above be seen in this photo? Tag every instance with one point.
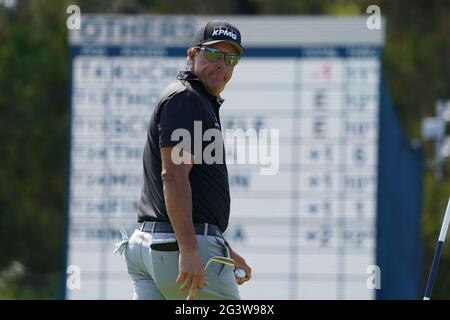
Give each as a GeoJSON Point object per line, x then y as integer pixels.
{"type": "Point", "coordinates": [221, 62]}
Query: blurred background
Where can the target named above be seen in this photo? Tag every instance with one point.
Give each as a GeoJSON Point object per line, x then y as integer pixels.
{"type": "Point", "coordinates": [34, 117]}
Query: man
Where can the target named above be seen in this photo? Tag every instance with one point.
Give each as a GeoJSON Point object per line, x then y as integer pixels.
{"type": "Point", "coordinates": [184, 207]}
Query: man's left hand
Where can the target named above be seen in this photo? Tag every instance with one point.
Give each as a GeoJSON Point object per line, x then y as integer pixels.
{"type": "Point", "coordinates": [239, 263]}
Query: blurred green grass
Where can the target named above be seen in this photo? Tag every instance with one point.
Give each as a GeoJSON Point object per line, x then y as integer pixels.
{"type": "Point", "coordinates": [24, 290]}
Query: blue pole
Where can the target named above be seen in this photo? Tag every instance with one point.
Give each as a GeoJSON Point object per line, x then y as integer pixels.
{"type": "Point", "coordinates": [437, 254]}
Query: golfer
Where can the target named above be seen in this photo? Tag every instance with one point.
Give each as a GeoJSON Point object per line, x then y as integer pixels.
{"type": "Point", "coordinates": [184, 206]}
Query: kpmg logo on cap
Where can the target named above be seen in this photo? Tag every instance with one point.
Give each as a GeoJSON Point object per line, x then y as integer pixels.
{"type": "Point", "coordinates": [218, 31]}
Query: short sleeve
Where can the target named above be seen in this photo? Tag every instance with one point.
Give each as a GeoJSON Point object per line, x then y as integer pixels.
{"type": "Point", "coordinates": [177, 119]}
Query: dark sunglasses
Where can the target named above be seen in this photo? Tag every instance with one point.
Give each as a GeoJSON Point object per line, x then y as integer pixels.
{"type": "Point", "coordinates": [213, 55]}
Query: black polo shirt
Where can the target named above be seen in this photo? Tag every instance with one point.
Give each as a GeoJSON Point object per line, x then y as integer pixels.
{"type": "Point", "coordinates": [182, 103]}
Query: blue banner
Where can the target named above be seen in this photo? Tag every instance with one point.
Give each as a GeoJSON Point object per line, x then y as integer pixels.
{"type": "Point", "coordinates": [399, 252]}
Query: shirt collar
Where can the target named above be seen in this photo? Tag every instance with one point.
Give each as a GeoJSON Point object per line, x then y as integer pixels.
{"type": "Point", "coordinates": [189, 76]}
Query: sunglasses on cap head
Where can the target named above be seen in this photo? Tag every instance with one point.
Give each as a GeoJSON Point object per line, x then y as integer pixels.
{"type": "Point", "coordinates": [213, 55]}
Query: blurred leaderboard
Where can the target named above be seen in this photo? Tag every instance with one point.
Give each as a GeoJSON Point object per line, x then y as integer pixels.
{"type": "Point", "coordinates": [309, 231]}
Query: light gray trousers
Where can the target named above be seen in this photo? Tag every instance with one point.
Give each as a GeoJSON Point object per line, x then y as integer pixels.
{"type": "Point", "coordinates": [154, 273]}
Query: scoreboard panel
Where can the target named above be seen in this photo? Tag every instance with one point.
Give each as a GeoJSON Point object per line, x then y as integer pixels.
{"type": "Point", "coordinates": [308, 229]}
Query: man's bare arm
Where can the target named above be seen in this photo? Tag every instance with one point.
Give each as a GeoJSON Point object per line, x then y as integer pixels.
{"type": "Point", "coordinates": [178, 200]}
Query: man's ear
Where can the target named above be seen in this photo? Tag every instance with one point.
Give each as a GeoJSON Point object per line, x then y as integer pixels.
{"type": "Point", "coordinates": [190, 59]}
{"type": "Point", "coordinates": [191, 54]}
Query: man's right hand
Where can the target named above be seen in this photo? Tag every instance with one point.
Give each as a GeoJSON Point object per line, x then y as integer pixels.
{"type": "Point", "coordinates": [192, 274]}
{"type": "Point", "coordinates": [178, 199]}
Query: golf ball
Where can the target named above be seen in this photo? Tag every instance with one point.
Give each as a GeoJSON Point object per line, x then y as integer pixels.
{"type": "Point", "coordinates": [240, 273]}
